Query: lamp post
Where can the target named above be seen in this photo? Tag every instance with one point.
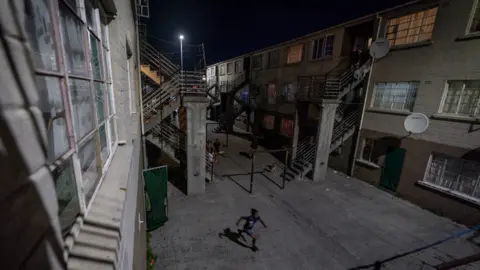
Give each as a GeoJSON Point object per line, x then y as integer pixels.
{"type": "Point", "coordinates": [181, 52]}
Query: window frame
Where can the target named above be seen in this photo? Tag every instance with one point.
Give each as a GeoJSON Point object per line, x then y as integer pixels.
{"type": "Point", "coordinates": [265, 116]}
{"type": "Point", "coordinates": [388, 22]}
{"type": "Point", "coordinates": [231, 64]}
{"type": "Point", "coordinates": [269, 62]}
{"type": "Point", "coordinates": [364, 143]}
{"type": "Point", "coordinates": [223, 70]}
{"type": "Point", "coordinates": [302, 53]}
{"type": "Point", "coordinates": [374, 94]}
{"type": "Point", "coordinates": [238, 66]}
{"type": "Point", "coordinates": [100, 32]}
{"type": "Point", "coordinates": [449, 190]}
{"type": "Point", "coordinates": [281, 131]}
{"type": "Point", "coordinates": [257, 56]}
{"type": "Point", "coordinates": [476, 113]}
{"type": "Point", "coordinates": [473, 11]}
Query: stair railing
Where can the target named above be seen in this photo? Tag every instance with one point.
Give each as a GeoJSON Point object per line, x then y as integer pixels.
{"type": "Point", "coordinates": [349, 122]}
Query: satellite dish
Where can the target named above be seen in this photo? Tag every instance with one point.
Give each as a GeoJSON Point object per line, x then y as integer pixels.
{"type": "Point", "coordinates": [379, 48]}
{"type": "Point", "coordinates": [416, 123]}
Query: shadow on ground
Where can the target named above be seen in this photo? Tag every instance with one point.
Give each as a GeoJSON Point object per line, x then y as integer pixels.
{"type": "Point", "coordinates": [234, 237]}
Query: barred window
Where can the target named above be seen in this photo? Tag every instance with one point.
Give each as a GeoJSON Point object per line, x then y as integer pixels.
{"type": "Point", "coordinates": [460, 176]}
{"type": "Point", "coordinates": [462, 98]}
{"type": "Point", "coordinates": [395, 95]}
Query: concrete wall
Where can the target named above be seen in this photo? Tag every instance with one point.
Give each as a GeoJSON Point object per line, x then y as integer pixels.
{"type": "Point", "coordinates": [432, 65]}
{"type": "Point", "coordinates": [446, 57]}
{"type": "Point", "coordinates": [121, 30]}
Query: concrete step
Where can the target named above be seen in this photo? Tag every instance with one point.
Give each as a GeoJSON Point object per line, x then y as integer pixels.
{"type": "Point", "coordinates": [82, 264]}
{"type": "Point", "coordinates": [93, 253]}
{"type": "Point", "coordinates": [97, 240]}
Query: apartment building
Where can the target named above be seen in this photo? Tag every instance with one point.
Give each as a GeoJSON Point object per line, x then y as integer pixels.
{"type": "Point", "coordinates": [285, 84]}
{"type": "Point", "coordinates": [432, 68]}
{"type": "Point", "coordinates": [72, 192]}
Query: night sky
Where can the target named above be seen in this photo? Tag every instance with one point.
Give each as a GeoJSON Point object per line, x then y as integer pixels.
{"type": "Point", "coordinates": [231, 28]}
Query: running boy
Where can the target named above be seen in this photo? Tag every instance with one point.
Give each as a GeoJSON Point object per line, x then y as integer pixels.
{"type": "Point", "coordinates": [248, 226]}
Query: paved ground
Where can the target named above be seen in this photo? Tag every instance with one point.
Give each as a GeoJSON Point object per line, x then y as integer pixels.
{"type": "Point", "coordinates": [337, 224]}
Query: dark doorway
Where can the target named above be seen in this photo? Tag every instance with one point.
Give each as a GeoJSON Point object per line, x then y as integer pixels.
{"type": "Point", "coordinates": [392, 169]}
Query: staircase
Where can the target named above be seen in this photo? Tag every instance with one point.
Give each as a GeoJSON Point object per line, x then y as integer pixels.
{"type": "Point", "coordinates": [346, 119]}
{"type": "Point", "coordinates": [170, 139]}
{"type": "Point", "coordinates": [150, 73]}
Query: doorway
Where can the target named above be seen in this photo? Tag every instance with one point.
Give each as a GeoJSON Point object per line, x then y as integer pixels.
{"type": "Point", "coordinates": [392, 168]}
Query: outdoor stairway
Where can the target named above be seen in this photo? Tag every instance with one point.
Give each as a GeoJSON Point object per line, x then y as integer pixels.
{"type": "Point", "coordinates": [333, 88]}
{"type": "Point", "coordinates": [160, 104]}
{"type": "Point", "coordinates": [152, 74]}
{"type": "Point", "coordinates": [170, 139]}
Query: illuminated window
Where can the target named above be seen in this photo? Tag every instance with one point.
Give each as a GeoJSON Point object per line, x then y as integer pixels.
{"type": "Point", "coordinates": [294, 54]}
{"type": "Point", "coordinates": [269, 122]}
{"type": "Point", "coordinates": [287, 127]}
{"type": "Point", "coordinates": [411, 28]}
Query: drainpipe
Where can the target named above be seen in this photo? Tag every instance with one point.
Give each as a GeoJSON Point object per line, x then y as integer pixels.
{"type": "Point", "coordinates": [142, 126]}
{"type": "Point", "coordinates": [351, 165]}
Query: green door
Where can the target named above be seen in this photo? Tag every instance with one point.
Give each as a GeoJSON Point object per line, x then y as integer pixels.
{"type": "Point", "coordinates": [156, 182]}
{"type": "Point", "coordinates": [392, 169]}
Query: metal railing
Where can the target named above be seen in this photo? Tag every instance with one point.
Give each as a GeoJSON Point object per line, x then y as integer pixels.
{"type": "Point", "coordinates": [346, 124]}
{"type": "Point", "coordinates": [157, 60]}
{"type": "Point", "coordinates": [154, 102]}
{"type": "Point", "coordinates": [170, 134]}
{"type": "Point", "coordinates": [193, 83]}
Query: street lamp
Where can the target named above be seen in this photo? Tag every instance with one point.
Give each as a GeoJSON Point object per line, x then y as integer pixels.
{"type": "Point", "coordinates": [181, 52]}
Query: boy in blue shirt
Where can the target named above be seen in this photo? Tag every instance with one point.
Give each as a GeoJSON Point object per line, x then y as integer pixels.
{"type": "Point", "coordinates": [248, 226]}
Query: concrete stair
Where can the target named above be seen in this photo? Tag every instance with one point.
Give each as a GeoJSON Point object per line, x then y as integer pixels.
{"type": "Point", "coordinates": [159, 116]}
{"type": "Point", "coordinates": [150, 73]}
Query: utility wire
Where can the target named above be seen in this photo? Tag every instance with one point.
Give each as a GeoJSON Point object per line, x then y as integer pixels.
{"type": "Point", "coordinates": [172, 42]}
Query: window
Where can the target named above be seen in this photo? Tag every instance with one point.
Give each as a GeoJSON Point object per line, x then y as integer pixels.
{"type": "Point", "coordinates": [462, 98]}
{"type": "Point", "coordinates": [71, 95]}
{"type": "Point", "coordinates": [294, 54]}
{"type": "Point", "coordinates": [289, 91]}
{"type": "Point", "coordinates": [273, 58]}
{"type": "Point", "coordinates": [238, 66]}
{"type": "Point", "coordinates": [329, 45]}
{"type": "Point", "coordinates": [258, 61]}
{"type": "Point", "coordinates": [222, 70]}
{"type": "Point", "coordinates": [368, 151]}
{"type": "Point", "coordinates": [395, 95]}
{"type": "Point", "coordinates": [474, 26]}
{"type": "Point", "coordinates": [229, 68]}
{"type": "Point", "coordinates": [318, 48]}
{"type": "Point", "coordinates": [460, 176]}
{"type": "Point", "coordinates": [411, 28]}
{"type": "Point", "coordinates": [269, 122]}
{"type": "Point", "coordinates": [323, 47]}
{"type": "Point", "coordinates": [73, 41]}
{"type": "Point", "coordinates": [223, 86]}
{"type": "Point", "coordinates": [67, 198]}
{"type": "Point", "coordinates": [90, 167]}
{"type": "Point", "coordinates": [272, 93]}
{"type": "Point", "coordinates": [287, 127]}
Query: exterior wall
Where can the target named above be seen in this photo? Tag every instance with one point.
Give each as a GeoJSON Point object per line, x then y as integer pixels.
{"type": "Point", "coordinates": [416, 160]}
{"type": "Point", "coordinates": [31, 200]}
{"type": "Point", "coordinates": [446, 57]}
{"type": "Point", "coordinates": [31, 236]}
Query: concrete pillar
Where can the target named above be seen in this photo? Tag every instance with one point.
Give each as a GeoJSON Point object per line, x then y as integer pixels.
{"type": "Point", "coordinates": [196, 138]}
{"type": "Point", "coordinates": [296, 130]}
{"type": "Point", "coordinates": [324, 140]}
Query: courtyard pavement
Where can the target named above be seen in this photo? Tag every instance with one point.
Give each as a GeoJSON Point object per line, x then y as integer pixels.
{"type": "Point", "coordinates": [340, 223]}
